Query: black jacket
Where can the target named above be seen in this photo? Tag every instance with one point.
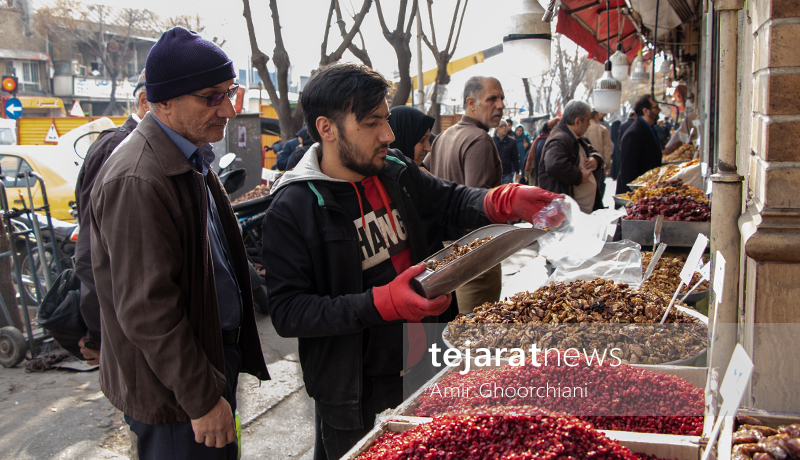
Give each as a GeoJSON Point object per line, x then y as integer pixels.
{"type": "Point", "coordinates": [509, 153]}
{"type": "Point", "coordinates": [639, 153]}
{"type": "Point", "coordinates": [95, 158]}
{"type": "Point", "coordinates": [314, 273]}
{"type": "Point", "coordinates": [560, 168]}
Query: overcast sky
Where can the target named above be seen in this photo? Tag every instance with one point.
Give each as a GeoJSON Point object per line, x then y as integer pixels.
{"type": "Point", "coordinates": [303, 26]}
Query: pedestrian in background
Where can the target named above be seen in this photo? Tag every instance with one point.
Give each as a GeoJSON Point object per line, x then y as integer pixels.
{"type": "Point", "coordinates": [467, 155]}
{"type": "Point", "coordinates": [170, 268]}
{"type": "Point", "coordinates": [523, 146]}
{"type": "Point", "coordinates": [507, 149]}
{"type": "Point", "coordinates": [532, 162]}
{"type": "Point", "coordinates": [412, 131]}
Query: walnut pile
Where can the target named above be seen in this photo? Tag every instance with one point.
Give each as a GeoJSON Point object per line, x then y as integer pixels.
{"type": "Point", "coordinates": [458, 251]}
{"type": "Point", "coordinates": [666, 276]}
{"type": "Point", "coordinates": [258, 192]}
{"type": "Point", "coordinates": [597, 314]}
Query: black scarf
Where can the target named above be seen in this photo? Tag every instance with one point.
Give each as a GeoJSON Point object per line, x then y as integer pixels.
{"type": "Point", "coordinates": [408, 125]}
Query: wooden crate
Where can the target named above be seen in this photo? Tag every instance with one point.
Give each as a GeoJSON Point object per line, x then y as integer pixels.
{"type": "Point", "coordinates": [772, 419]}
{"type": "Point", "coordinates": [673, 447]}
{"type": "Point", "coordinates": [662, 446]}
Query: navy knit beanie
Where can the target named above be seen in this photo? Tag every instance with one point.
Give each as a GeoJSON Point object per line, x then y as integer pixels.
{"type": "Point", "coordinates": [182, 62]}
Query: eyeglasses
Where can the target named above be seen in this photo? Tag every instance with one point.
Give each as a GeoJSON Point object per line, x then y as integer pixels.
{"type": "Point", "coordinates": [216, 98]}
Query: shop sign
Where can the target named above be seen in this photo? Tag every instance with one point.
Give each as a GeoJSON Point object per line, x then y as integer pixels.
{"type": "Point", "coordinates": [101, 88]}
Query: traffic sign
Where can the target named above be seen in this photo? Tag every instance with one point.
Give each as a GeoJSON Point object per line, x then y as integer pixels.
{"type": "Point", "coordinates": [52, 135]}
{"type": "Point", "coordinates": [13, 108]}
{"type": "Point", "coordinates": [9, 84]}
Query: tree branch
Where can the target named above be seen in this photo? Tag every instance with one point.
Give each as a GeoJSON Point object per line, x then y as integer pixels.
{"type": "Point", "coordinates": [348, 39]}
{"type": "Point", "coordinates": [411, 17]}
{"type": "Point", "coordinates": [382, 22]}
{"type": "Point", "coordinates": [460, 23]}
{"type": "Point", "coordinates": [360, 53]}
{"type": "Point", "coordinates": [327, 31]}
{"type": "Point", "coordinates": [433, 29]}
{"type": "Point", "coordinates": [453, 26]}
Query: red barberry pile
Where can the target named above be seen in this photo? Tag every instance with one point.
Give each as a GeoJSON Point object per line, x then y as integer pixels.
{"type": "Point", "coordinates": [536, 436]}
{"type": "Point", "coordinates": [621, 398]}
{"type": "Point", "coordinates": [676, 207]}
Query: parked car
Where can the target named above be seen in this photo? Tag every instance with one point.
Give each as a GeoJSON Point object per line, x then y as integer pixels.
{"type": "Point", "coordinates": [55, 165]}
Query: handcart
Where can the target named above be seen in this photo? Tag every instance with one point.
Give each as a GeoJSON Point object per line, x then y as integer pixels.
{"type": "Point", "coordinates": [14, 346]}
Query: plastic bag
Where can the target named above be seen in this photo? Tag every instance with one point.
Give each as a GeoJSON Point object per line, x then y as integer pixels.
{"type": "Point", "coordinates": [620, 261]}
{"type": "Point", "coordinates": [580, 237]}
{"type": "Point", "coordinates": [548, 216]}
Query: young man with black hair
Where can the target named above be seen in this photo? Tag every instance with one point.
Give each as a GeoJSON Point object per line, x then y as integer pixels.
{"type": "Point", "coordinates": [344, 238]}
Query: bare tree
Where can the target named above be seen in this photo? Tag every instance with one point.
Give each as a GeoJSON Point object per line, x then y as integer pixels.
{"type": "Point", "coordinates": [400, 39]}
{"type": "Point", "coordinates": [567, 73]}
{"type": "Point", "coordinates": [570, 71]}
{"type": "Point", "coordinates": [108, 33]}
{"type": "Point", "coordinates": [279, 97]}
{"type": "Point", "coordinates": [360, 53]}
{"type": "Point", "coordinates": [442, 56]}
{"type": "Point", "coordinates": [347, 37]}
{"type": "Point", "coordinates": [190, 22]}
{"type": "Point", "coordinates": [527, 87]}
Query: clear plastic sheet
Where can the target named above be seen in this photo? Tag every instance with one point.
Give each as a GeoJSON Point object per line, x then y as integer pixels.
{"type": "Point", "coordinates": [580, 237]}
{"type": "Point", "coordinates": [620, 261]}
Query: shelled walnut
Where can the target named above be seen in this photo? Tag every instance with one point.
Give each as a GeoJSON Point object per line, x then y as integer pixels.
{"type": "Point", "coordinates": [458, 251]}
{"type": "Point", "coordinates": [593, 315]}
{"type": "Point", "coordinates": [666, 276]}
{"type": "Point", "coordinates": [258, 192]}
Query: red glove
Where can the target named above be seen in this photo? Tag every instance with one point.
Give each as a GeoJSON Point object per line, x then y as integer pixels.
{"type": "Point", "coordinates": [512, 202]}
{"type": "Point", "coordinates": [398, 300]}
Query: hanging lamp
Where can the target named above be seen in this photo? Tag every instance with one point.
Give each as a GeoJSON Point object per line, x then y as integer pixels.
{"type": "Point", "coordinates": [527, 43]}
{"type": "Point", "coordinates": [619, 60]}
{"type": "Point", "coordinates": [665, 66]}
{"type": "Point", "coordinates": [620, 64]}
{"type": "Point", "coordinates": [607, 92]}
{"type": "Point", "coordinates": [639, 74]}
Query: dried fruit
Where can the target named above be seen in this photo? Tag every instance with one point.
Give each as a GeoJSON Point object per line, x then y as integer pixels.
{"type": "Point", "coordinates": [258, 192]}
{"type": "Point", "coordinates": [617, 398]}
{"type": "Point", "coordinates": [535, 434]}
{"type": "Point", "coordinates": [684, 153]}
{"type": "Point", "coordinates": [458, 251]}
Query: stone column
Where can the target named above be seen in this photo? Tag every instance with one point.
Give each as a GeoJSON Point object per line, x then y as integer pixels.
{"type": "Point", "coordinates": [769, 316]}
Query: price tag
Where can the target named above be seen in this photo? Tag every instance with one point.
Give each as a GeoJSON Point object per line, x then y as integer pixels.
{"type": "Point", "coordinates": [735, 382]}
{"type": "Point", "coordinates": [732, 390]}
{"type": "Point", "coordinates": [705, 271]}
{"type": "Point", "coordinates": [269, 175]}
{"type": "Point", "coordinates": [704, 169]}
{"type": "Point", "coordinates": [694, 258]}
{"type": "Point", "coordinates": [719, 276]}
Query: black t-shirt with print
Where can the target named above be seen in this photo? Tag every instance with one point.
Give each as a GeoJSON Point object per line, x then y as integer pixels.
{"type": "Point", "coordinates": [385, 252]}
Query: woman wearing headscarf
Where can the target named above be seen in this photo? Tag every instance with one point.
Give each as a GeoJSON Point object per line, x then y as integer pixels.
{"type": "Point", "coordinates": [523, 145]}
{"type": "Point", "coordinates": [412, 129]}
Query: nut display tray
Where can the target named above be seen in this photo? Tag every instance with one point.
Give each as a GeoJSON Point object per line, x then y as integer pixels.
{"type": "Point", "coordinates": [673, 233]}
{"type": "Point", "coordinates": [506, 240]}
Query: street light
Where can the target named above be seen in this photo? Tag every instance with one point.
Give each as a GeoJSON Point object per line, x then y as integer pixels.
{"type": "Point", "coordinates": [527, 44]}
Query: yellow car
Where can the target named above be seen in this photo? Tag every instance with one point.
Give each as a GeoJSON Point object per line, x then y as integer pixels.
{"type": "Point", "coordinates": [54, 164]}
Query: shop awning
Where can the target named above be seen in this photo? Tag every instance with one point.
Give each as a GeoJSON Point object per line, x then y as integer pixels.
{"type": "Point", "coordinates": [584, 22]}
{"type": "Point", "coordinates": [24, 55]}
{"type": "Point", "coordinates": [671, 13]}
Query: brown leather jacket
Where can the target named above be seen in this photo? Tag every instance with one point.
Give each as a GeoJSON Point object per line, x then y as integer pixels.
{"type": "Point", "coordinates": [162, 356]}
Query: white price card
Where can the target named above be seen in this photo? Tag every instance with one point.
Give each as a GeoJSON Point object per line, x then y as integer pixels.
{"type": "Point", "coordinates": [269, 175]}
{"type": "Point", "coordinates": [732, 390]}
{"type": "Point", "coordinates": [705, 271]}
{"type": "Point", "coordinates": [719, 276]}
{"type": "Point", "coordinates": [704, 169]}
{"type": "Point", "coordinates": [694, 258]}
{"type": "Point", "coordinates": [735, 382]}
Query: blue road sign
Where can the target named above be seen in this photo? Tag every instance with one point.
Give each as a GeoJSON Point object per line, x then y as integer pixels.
{"type": "Point", "coordinates": [13, 108]}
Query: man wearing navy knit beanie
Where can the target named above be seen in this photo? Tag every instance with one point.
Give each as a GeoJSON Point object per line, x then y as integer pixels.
{"type": "Point", "coordinates": [170, 267]}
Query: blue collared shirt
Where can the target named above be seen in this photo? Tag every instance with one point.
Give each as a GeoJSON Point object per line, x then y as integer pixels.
{"type": "Point", "coordinates": [229, 296]}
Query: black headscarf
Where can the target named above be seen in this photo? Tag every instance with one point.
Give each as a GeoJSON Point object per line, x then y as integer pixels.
{"type": "Point", "coordinates": [409, 125]}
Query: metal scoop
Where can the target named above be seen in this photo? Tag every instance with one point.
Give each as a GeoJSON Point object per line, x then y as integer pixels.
{"type": "Point", "coordinates": [506, 240]}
